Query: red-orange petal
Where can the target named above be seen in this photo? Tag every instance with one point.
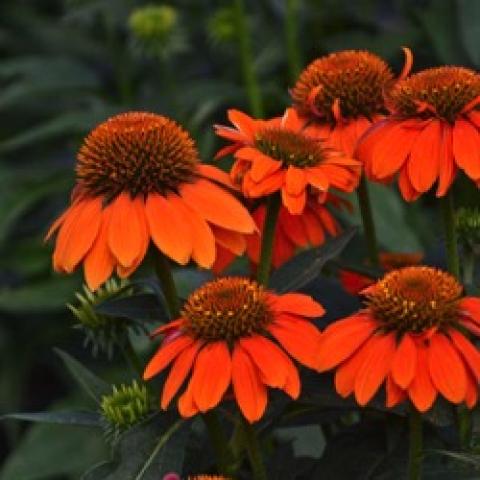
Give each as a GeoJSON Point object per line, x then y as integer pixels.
{"type": "Point", "coordinates": [165, 354]}
{"type": "Point", "coordinates": [467, 350]}
{"type": "Point", "coordinates": [233, 241]}
{"type": "Point", "coordinates": [242, 122]}
{"type": "Point", "coordinates": [342, 338]}
{"type": "Point", "coordinates": [404, 362]}
{"type": "Point", "coordinates": [395, 394]}
{"type": "Point", "coordinates": [250, 392]}
{"type": "Point", "coordinates": [447, 369]}
{"type": "Point", "coordinates": [295, 203]}
{"type": "Point", "coordinates": [375, 367]}
{"type": "Point", "coordinates": [186, 403]}
{"type": "Point", "coordinates": [297, 303]}
{"type": "Point", "coordinates": [214, 173]}
{"type": "Point", "coordinates": [471, 396]}
{"type": "Point", "coordinates": [447, 167]}
{"type": "Point", "coordinates": [169, 227]}
{"type": "Point", "coordinates": [466, 147]}
{"type": "Point", "coordinates": [406, 187]}
{"type": "Point", "coordinates": [295, 180]}
{"type": "Point", "coordinates": [211, 375]}
{"type": "Point", "coordinates": [178, 373]}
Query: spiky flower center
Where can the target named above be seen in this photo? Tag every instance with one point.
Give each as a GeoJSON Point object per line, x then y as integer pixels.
{"type": "Point", "coordinates": [414, 299]}
{"type": "Point", "coordinates": [441, 92]}
{"type": "Point", "coordinates": [356, 79]}
{"type": "Point", "coordinates": [136, 152]}
{"type": "Point", "coordinates": [226, 309]}
{"type": "Point", "coordinates": [291, 148]}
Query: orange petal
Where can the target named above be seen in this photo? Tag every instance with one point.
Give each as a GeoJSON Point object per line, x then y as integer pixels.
{"type": "Point", "coordinates": [268, 185]}
{"type": "Point", "coordinates": [214, 173]}
{"type": "Point", "coordinates": [471, 396]}
{"type": "Point", "coordinates": [342, 338]}
{"type": "Point", "coordinates": [330, 224]}
{"type": "Point", "coordinates": [233, 241]}
{"type": "Point", "coordinates": [423, 164]}
{"type": "Point", "coordinates": [298, 337]}
{"type": "Point", "coordinates": [470, 306]}
{"type": "Point", "coordinates": [466, 148]}
{"type": "Point", "coordinates": [165, 354]}
{"type": "Point", "coordinates": [178, 373]}
{"type": "Point", "coordinates": [447, 167]}
{"type": "Point", "coordinates": [447, 369]}
{"type": "Point", "coordinates": [293, 227]}
{"type": "Point", "coordinates": [294, 203]}
{"type": "Point", "coordinates": [375, 368]}
{"type": "Point", "coordinates": [314, 228]}
{"type": "Point", "coordinates": [404, 362]}
{"type": "Point", "coordinates": [292, 121]}
{"type": "Point", "coordinates": [263, 166]}
{"type": "Point", "coordinates": [242, 122]}
{"type": "Point", "coordinates": [421, 391]}
{"type": "Point", "coordinates": [77, 234]}
{"type": "Point", "coordinates": [99, 261]}
{"type": "Point", "coordinates": [317, 178]}
{"type": "Point", "coordinates": [217, 206]}
{"type": "Point", "coordinates": [295, 181]}
{"type": "Point", "coordinates": [406, 188]}
{"type": "Point", "coordinates": [203, 248]}
{"type": "Point", "coordinates": [467, 350]}
{"type": "Point", "coordinates": [299, 304]}
{"type": "Point", "coordinates": [211, 376]}
{"type": "Point", "coordinates": [249, 391]}
{"type": "Point", "coordinates": [186, 404]}
{"type": "Point", "coordinates": [395, 394]}
{"type": "Point", "coordinates": [126, 234]}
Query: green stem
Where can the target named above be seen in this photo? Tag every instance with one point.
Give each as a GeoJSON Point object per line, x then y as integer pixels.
{"type": "Point", "coordinates": [416, 445]}
{"type": "Point", "coordinates": [468, 265]}
{"type": "Point", "coordinates": [131, 356]}
{"type": "Point", "coordinates": [246, 59]}
{"type": "Point", "coordinates": [164, 274]}
{"type": "Point", "coordinates": [367, 220]}
{"type": "Point", "coordinates": [225, 461]}
{"type": "Point", "coordinates": [254, 451]}
{"type": "Point", "coordinates": [268, 236]}
{"type": "Point", "coordinates": [448, 213]}
{"type": "Point", "coordinates": [291, 34]}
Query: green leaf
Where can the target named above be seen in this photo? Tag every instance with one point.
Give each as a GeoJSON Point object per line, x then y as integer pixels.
{"type": "Point", "coordinates": [147, 451]}
{"type": "Point", "coordinates": [306, 266]}
{"type": "Point", "coordinates": [93, 385]}
{"type": "Point", "coordinates": [79, 418]}
{"type": "Point", "coordinates": [144, 307]}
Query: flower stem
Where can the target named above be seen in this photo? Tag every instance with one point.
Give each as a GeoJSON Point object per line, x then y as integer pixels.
{"type": "Point", "coordinates": [367, 220]}
{"type": "Point", "coordinates": [268, 235]}
{"type": "Point", "coordinates": [254, 451]}
{"type": "Point", "coordinates": [448, 213]}
{"type": "Point", "coordinates": [291, 34]}
{"type": "Point", "coordinates": [416, 445]}
{"type": "Point", "coordinates": [246, 59]}
{"type": "Point", "coordinates": [164, 274]}
{"type": "Point", "coordinates": [219, 442]}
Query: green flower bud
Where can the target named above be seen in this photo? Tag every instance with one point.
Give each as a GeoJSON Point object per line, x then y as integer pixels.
{"type": "Point", "coordinates": [126, 406]}
{"type": "Point", "coordinates": [222, 27]}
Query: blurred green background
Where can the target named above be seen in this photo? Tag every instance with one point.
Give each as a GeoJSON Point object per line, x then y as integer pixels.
{"type": "Point", "coordinates": [66, 65]}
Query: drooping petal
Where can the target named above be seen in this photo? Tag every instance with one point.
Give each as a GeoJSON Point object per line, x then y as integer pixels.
{"type": "Point", "coordinates": [298, 303]}
{"type": "Point", "coordinates": [233, 241]}
{"type": "Point", "coordinates": [406, 187]}
{"type": "Point", "coordinates": [421, 391]}
{"type": "Point", "coordinates": [395, 394]}
{"type": "Point", "coordinates": [186, 403]}
{"type": "Point", "coordinates": [178, 373]}
{"type": "Point", "coordinates": [313, 227]}
{"type": "Point", "coordinates": [249, 391]}
{"type": "Point", "coordinates": [447, 167]}
{"type": "Point", "coordinates": [375, 367]}
{"type": "Point", "coordinates": [295, 181]}
{"type": "Point", "coordinates": [466, 148]}
{"type": "Point", "coordinates": [77, 234]}
{"type": "Point", "coordinates": [126, 235]}
{"type": "Point", "coordinates": [169, 228]}
{"type": "Point", "coordinates": [470, 307]}
{"type": "Point", "coordinates": [341, 339]}
{"type": "Point", "coordinates": [404, 362]}
{"type": "Point", "coordinates": [211, 375]}
{"type": "Point", "coordinates": [467, 350]}
{"type": "Point", "coordinates": [242, 122]}
{"type": "Point", "coordinates": [217, 206]}
{"type": "Point", "coordinates": [213, 173]}
{"type": "Point", "coordinates": [295, 203]}
{"type": "Point", "coordinates": [293, 227]}
{"type": "Point", "coordinates": [471, 396]}
{"type": "Point", "coordinates": [165, 354]}
{"type": "Point", "coordinates": [298, 337]}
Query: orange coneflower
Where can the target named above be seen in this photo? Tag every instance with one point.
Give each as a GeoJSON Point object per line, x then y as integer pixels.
{"type": "Point", "coordinates": [139, 178]}
{"type": "Point", "coordinates": [354, 282]}
{"type": "Point", "coordinates": [292, 232]}
{"type": "Point", "coordinates": [233, 332]}
{"type": "Point", "coordinates": [341, 95]}
{"type": "Point", "coordinates": [282, 155]}
{"type": "Point", "coordinates": [412, 335]}
{"type": "Point", "coordinates": [433, 129]}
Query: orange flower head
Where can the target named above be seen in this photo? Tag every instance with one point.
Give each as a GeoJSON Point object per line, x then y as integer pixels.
{"type": "Point", "coordinates": [433, 131]}
{"type": "Point", "coordinates": [281, 154]}
{"type": "Point", "coordinates": [411, 336]}
{"type": "Point", "coordinates": [136, 152]}
{"type": "Point", "coordinates": [349, 84]}
{"type": "Point", "coordinates": [139, 178]}
{"type": "Point", "coordinates": [234, 334]}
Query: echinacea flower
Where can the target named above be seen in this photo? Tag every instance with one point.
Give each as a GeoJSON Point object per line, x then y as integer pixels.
{"type": "Point", "coordinates": [292, 232]}
{"type": "Point", "coordinates": [281, 155]}
{"type": "Point", "coordinates": [411, 336]}
{"type": "Point", "coordinates": [234, 333]}
{"type": "Point", "coordinates": [341, 95]}
{"type": "Point", "coordinates": [139, 178]}
{"type": "Point", "coordinates": [355, 282]}
{"type": "Point", "coordinates": [432, 131]}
